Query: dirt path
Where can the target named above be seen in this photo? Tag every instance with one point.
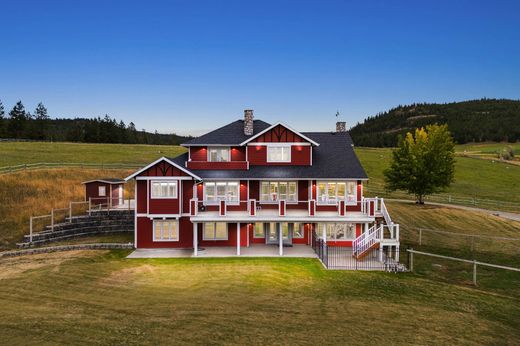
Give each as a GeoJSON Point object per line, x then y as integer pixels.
{"type": "Point", "coordinates": [503, 214]}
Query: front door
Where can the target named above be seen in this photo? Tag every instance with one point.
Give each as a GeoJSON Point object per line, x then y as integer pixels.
{"type": "Point", "coordinates": [273, 233]}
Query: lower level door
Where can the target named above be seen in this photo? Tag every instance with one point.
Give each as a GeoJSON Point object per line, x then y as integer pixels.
{"type": "Point", "coordinates": [273, 233]}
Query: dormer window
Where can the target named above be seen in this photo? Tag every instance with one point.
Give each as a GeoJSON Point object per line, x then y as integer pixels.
{"type": "Point", "coordinates": [218, 154]}
{"type": "Point", "coordinates": [279, 153]}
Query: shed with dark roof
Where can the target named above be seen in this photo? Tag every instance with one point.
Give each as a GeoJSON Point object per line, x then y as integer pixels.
{"type": "Point", "coordinates": [105, 191]}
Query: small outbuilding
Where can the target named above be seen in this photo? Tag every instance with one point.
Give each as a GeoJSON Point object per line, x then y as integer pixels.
{"type": "Point", "coordinates": [109, 191]}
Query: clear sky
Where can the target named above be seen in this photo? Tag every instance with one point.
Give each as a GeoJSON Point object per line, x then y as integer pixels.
{"type": "Point", "coordinates": [190, 66]}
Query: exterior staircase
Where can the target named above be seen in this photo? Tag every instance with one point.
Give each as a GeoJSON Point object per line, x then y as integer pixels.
{"type": "Point", "coordinates": [99, 222]}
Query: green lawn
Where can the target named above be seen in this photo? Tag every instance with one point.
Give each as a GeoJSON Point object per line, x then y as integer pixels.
{"type": "Point", "coordinates": [483, 179]}
{"type": "Point", "coordinates": [102, 298]}
{"type": "Point", "coordinates": [17, 153]}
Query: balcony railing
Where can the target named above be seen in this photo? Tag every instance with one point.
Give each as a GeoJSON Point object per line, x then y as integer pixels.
{"type": "Point", "coordinates": [369, 207]}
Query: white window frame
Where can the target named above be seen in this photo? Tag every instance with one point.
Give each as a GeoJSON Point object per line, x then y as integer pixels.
{"type": "Point", "coordinates": [219, 154]}
{"type": "Point", "coordinates": [263, 230]}
{"type": "Point", "coordinates": [348, 198]}
{"type": "Point", "coordinates": [270, 200]}
{"type": "Point", "coordinates": [104, 189]}
{"type": "Point", "coordinates": [214, 231]}
{"type": "Point", "coordinates": [299, 225]}
{"type": "Point", "coordinates": [332, 235]}
{"type": "Point", "coordinates": [283, 149]}
{"type": "Point", "coordinates": [172, 221]}
{"type": "Point", "coordinates": [226, 195]}
{"type": "Point", "coordinates": [168, 182]}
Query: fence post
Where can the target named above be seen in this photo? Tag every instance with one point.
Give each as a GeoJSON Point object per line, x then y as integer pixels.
{"type": "Point", "coordinates": [420, 236]}
{"type": "Point", "coordinates": [411, 259]}
{"type": "Point", "coordinates": [70, 211]}
{"type": "Point", "coordinates": [472, 243]}
{"type": "Point", "coordinates": [90, 206]}
{"type": "Point", "coordinates": [52, 219]}
{"type": "Point", "coordinates": [30, 229]}
{"type": "Point", "coordinates": [475, 272]}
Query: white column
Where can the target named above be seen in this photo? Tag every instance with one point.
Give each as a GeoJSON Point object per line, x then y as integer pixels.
{"type": "Point", "coordinates": [195, 240]}
{"type": "Point", "coordinates": [366, 227]}
{"type": "Point", "coordinates": [324, 233]}
{"type": "Point", "coordinates": [238, 238]}
{"type": "Point", "coordinates": [280, 237]}
{"type": "Point", "coordinates": [248, 229]}
{"type": "Point", "coordinates": [397, 253]}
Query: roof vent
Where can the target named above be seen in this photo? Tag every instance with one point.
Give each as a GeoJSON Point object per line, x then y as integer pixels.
{"type": "Point", "coordinates": [341, 126]}
{"type": "Point", "coordinates": [248, 122]}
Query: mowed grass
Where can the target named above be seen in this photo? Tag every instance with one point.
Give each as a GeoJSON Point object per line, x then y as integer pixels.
{"type": "Point", "coordinates": [35, 192]}
{"type": "Point", "coordinates": [102, 298]}
{"type": "Point", "coordinates": [17, 153]}
{"type": "Point", "coordinates": [482, 179]}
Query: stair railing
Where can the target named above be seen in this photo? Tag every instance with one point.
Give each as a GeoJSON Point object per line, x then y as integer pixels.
{"type": "Point", "coordinates": [366, 240]}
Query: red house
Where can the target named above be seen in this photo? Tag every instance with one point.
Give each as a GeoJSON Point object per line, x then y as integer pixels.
{"type": "Point", "coordinates": [253, 183]}
{"type": "Point", "coordinates": [105, 191]}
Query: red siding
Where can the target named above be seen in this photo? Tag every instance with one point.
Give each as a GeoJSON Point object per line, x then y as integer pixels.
{"type": "Point", "coordinates": [187, 194]}
{"type": "Point", "coordinates": [163, 169]}
{"type": "Point", "coordinates": [142, 196]}
{"type": "Point", "coordinates": [279, 134]}
{"type": "Point", "coordinates": [145, 234]}
{"type": "Point", "coordinates": [164, 205]}
{"type": "Point", "coordinates": [198, 154]}
{"type": "Point", "coordinates": [238, 154]}
{"type": "Point", "coordinates": [92, 191]}
{"type": "Point", "coordinates": [217, 165]}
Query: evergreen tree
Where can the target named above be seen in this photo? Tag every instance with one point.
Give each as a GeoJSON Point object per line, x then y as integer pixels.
{"type": "Point", "coordinates": [17, 121]}
{"type": "Point", "coordinates": [423, 163]}
{"type": "Point", "coordinates": [42, 121]}
{"type": "Point", "coordinates": [2, 119]}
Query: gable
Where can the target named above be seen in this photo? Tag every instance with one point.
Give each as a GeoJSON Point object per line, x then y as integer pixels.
{"type": "Point", "coordinates": [162, 169]}
{"type": "Point", "coordinates": [279, 134]}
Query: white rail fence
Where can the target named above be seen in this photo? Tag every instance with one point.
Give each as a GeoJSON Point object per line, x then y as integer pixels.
{"type": "Point", "coordinates": [92, 205]}
{"type": "Point", "coordinates": [43, 165]}
{"type": "Point", "coordinates": [373, 189]}
{"type": "Point", "coordinates": [474, 262]}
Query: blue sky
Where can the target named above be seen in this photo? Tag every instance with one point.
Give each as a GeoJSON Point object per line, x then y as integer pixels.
{"type": "Point", "coordinates": [190, 66]}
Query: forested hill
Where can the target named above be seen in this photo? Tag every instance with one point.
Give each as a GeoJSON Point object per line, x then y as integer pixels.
{"type": "Point", "coordinates": [469, 121]}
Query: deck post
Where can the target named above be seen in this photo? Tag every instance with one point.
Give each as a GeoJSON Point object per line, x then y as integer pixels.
{"type": "Point", "coordinates": [238, 238]}
{"type": "Point", "coordinates": [195, 240]}
{"type": "Point", "coordinates": [411, 260]}
{"type": "Point", "coordinates": [90, 206]}
{"type": "Point", "coordinates": [70, 211]}
{"type": "Point", "coordinates": [280, 238]}
{"type": "Point", "coordinates": [397, 253]}
{"type": "Point", "coordinates": [248, 229]}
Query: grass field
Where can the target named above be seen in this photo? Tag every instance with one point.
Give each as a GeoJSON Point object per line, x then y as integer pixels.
{"type": "Point", "coordinates": [102, 298]}
{"type": "Point", "coordinates": [17, 153]}
{"type": "Point", "coordinates": [483, 179]}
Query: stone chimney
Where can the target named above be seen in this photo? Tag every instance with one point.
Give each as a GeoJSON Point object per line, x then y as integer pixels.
{"type": "Point", "coordinates": [341, 126]}
{"type": "Point", "coordinates": [248, 122]}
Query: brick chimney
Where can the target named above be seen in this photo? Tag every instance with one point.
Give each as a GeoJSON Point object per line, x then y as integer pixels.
{"type": "Point", "coordinates": [248, 122]}
{"type": "Point", "coordinates": [341, 126]}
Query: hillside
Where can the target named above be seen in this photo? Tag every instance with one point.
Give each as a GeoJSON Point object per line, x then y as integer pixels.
{"type": "Point", "coordinates": [469, 121]}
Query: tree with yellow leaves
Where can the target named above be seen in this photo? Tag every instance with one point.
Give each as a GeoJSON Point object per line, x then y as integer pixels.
{"type": "Point", "coordinates": [423, 163]}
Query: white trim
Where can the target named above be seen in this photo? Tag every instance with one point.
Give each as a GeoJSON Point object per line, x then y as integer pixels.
{"type": "Point", "coordinates": [284, 148]}
{"type": "Point", "coordinates": [219, 147]}
{"type": "Point", "coordinates": [176, 196]}
{"type": "Point", "coordinates": [217, 201]}
{"type": "Point", "coordinates": [164, 178]}
{"type": "Point", "coordinates": [215, 231]}
{"type": "Point", "coordinates": [156, 162]}
{"type": "Point", "coordinates": [285, 179]}
{"type": "Point", "coordinates": [288, 218]}
{"type": "Point", "coordinates": [272, 127]}
{"type": "Point", "coordinates": [158, 216]}
{"type": "Point", "coordinates": [195, 239]}
{"type": "Point", "coordinates": [177, 231]}
{"type": "Point", "coordinates": [303, 144]}
{"type": "Point", "coordinates": [135, 214]}
{"type": "Point", "coordinates": [238, 238]}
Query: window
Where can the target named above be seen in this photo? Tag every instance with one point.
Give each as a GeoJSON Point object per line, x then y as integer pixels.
{"type": "Point", "coordinates": [338, 231]}
{"type": "Point", "coordinates": [102, 191]}
{"type": "Point", "coordinates": [332, 192]}
{"type": "Point", "coordinates": [165, 230]}
{"type": "Point", "coordinates": [259, 230]}
{"type": "Point", "coordinates": [298, 230]}
{"type": "Point", "coordinates": [215, 231]}
{"type": "Point", "coordinates": [164, 189]}
{"type": "Point", "coordinates": [222, 191]}
{"type": "Point", "coordinates": [218, 154]}
{"type": "Point", "coordinates": [277, 190]}
{"type": "Point", "coordinates": [279, 153]}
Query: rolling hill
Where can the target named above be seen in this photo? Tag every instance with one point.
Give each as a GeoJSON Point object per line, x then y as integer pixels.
{"type": "Point", "coordinates": [496, 120]}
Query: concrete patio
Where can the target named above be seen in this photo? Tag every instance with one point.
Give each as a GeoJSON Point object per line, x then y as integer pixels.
{"type": "Point", "coordinates": [227, 251]}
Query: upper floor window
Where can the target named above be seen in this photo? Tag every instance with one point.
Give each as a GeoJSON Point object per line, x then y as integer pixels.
{"type": "Point", "coordinates": [164, 189]}
{"type": "Point", "coordinates": [330, 192]}
{"type": "Point", "coordinates": [219, 154]}
{"type": "Point", "coordinates": [279, 153]}
{"type": "Point", "coordinates": [273, 191]}
{"type": "Point", "coordinates": [223, 190]}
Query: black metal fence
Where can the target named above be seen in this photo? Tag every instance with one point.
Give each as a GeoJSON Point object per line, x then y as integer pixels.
{"type": "Point", "coordinates": [341, 257]}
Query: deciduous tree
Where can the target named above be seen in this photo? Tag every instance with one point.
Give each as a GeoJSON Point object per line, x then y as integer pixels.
{"type": "Point", "coordinates": [423, 163]}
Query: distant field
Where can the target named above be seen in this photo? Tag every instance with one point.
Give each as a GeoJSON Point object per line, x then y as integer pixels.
{"type": "Point", "coordinates": [17, 153]}
{"type": "Point", "coordinates": [483, 179]}
{"type": "Point", "coordinates": [487, 148]}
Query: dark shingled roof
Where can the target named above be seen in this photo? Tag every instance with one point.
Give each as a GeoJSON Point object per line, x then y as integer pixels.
{"type": "Point", "coordinates": [230, 134]}
{"type": "Point", "coordinates": [333, 159]}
